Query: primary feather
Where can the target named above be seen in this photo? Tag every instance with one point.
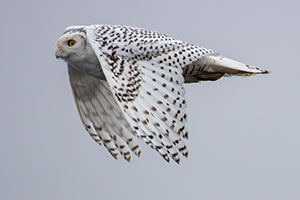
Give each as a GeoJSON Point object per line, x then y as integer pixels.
{"type": "Point", "coordinates": [128, 82]}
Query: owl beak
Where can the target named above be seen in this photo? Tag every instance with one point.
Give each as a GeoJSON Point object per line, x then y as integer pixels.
{"type": "Point", "coordinates": [58, 54]}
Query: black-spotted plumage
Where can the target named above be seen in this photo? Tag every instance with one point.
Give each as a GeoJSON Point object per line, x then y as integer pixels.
{"type": "Point", "coordinates": [138, 89]}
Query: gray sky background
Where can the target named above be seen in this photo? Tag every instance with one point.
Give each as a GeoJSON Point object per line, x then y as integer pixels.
{"type": "Point", "coordinates": [244, 132]}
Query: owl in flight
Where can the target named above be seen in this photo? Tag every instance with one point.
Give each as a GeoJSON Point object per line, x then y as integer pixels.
{"type": "Point", "coordinates": [127, 83]}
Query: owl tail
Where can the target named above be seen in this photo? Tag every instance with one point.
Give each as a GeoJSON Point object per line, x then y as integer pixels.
{"type": "Point", "coordinates": [220, 64]}
{"type": "Point", "coordinates": [212, 67]}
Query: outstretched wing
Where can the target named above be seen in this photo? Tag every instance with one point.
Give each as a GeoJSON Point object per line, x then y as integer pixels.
{"type": "Point", "coordinates": [149, 91]}
{"type": "Point", "coordinates": [101, 115]}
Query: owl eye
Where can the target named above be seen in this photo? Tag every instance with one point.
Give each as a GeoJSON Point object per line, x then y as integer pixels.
{"type": "Point", "coordinates": [71, 43]}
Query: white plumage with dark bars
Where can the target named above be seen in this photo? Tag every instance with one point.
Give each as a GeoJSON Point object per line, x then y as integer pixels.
{"type": "Point", "coordinates": [127, 83]}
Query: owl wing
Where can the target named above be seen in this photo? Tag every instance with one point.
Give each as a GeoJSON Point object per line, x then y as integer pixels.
{"type": "Point", "coordinates": [151, 96]}
{"type": "Point", "coordinates": [101, 116]}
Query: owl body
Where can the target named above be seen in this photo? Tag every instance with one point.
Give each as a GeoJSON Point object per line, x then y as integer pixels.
{"type": "Point", "coordinates": [128, 83]}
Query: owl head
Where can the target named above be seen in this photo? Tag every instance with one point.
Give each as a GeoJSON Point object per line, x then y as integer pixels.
{"type": "Point", "coordinates": [71, 45]}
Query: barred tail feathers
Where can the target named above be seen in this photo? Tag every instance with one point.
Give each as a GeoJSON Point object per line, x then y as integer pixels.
{"type": "Point", "coordinates": [220, 64]}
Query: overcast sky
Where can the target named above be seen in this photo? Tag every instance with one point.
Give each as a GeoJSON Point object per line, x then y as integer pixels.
{"type": "Point", "coordinates": [244, 132]}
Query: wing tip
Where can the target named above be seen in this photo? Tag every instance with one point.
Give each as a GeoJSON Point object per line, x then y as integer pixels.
{"type": "Point", "coordinates": [138, 154]}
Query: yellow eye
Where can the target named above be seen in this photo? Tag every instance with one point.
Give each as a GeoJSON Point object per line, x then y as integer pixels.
{"type": "Point", "coordinates": [71, 43]}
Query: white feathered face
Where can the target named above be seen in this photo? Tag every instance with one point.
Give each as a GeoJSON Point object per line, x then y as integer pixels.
{"type": "Point", "coordinates": [74, 48]}
{"type": "Point", "coordinates": [71, 45]}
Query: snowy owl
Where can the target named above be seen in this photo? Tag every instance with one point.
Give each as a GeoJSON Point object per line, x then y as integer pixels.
{"type": "Point", "coordinates": [127, 83]}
